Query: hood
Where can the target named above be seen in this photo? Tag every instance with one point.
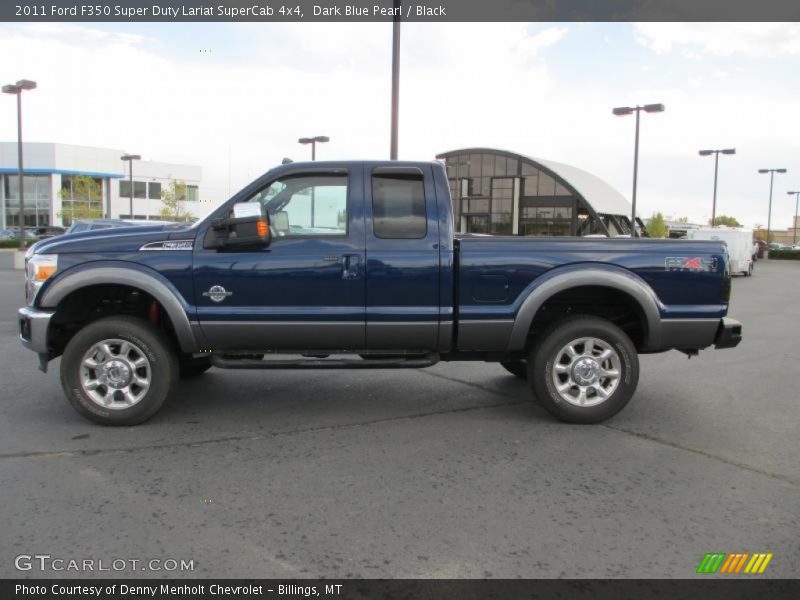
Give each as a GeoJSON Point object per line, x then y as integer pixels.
{"type": "Point", "coordinates": [118, 239]}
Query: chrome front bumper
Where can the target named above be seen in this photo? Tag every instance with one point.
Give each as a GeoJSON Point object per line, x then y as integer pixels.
{"type": "Point", "coordinates": [33, 327]}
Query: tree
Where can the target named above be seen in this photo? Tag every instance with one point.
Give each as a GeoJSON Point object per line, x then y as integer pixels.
{"type": "Point", "coordinates": [727, 221]}
{"type": "Point", "coordinates": [173, 198]}
{"type": "Point", "coordinates": [84, 196]}
{"type": "Point", "coordinates": [656, 226]}
{"type": "Point", "coordinates": [682, 220]}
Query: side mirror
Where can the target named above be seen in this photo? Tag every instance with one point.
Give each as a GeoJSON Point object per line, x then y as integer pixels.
{"type": "Point", "coordinates": [247, 228]}
{"type": "Point", "coordinates": [281, 222]}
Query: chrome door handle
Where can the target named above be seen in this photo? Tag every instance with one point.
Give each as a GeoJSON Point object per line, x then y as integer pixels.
{"type": "Point", "coordinates": [351, 266]}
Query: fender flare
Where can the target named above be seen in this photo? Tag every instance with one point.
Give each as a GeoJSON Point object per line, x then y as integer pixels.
{"type": "Point", "coordinates": [133, 276]}
{"type": "Point", "coordinates": [572, 276]}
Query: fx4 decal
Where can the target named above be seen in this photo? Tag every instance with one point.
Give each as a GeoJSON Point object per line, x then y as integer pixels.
{"type": "Point", "coordinates": [689, 263]}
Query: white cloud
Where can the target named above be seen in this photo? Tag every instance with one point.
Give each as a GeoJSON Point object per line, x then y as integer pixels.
{"type": "Point", "coordinates": [71, 31]}
{"type": "Point", "coordinates": [107, 89]}
{"type": "Point", "coordinates": [462, 85]}
{"type": "Point", "coordinates": [722, 39]}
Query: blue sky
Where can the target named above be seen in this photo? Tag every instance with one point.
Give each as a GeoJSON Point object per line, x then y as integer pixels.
{"type": "Point", "coordinates": [540, 89]}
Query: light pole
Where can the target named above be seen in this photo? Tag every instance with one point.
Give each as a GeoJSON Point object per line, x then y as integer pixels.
{"type": "Point", "coordinates": [716, 154]}
{"type": "Point", "coordinates": [395, 79]}
{"type": "Point", "coordinates": [313, 141]}
{"type": "Point", "coordinates": [130, 158]}
{"type": "Point", "coordinates": [771, 178]}
{"type": "Point", "coordinates": [17, 88]}
{"type": "Point", "coordinates": [621, 112]}
{"type": "Point", "coordinates": [794, 225]}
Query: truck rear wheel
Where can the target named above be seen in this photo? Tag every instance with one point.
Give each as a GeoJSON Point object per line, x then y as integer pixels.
{"type": "Point", "coordinates": [584, 370]}
{"type": "Point", "coordinates": [118, 370]}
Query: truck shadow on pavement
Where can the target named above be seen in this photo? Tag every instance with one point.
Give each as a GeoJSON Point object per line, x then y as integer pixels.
{"type": "Point", "coordinates": [275, 398]}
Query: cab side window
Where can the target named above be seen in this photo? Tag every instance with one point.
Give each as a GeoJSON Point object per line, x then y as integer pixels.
{"type": "Point", "coordinates": [306, 205]}
{"type": "Point", "coordinates": [398, 206]}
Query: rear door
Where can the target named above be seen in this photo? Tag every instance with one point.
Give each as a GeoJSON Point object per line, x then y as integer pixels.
{"type": "Point", "coordinates": [306, 291]}
{"type": "Point", "coordinates": [402, 258]}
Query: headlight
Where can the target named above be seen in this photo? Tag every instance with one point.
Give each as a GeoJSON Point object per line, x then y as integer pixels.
{"type": "Point", "coordinates": [38, 269]}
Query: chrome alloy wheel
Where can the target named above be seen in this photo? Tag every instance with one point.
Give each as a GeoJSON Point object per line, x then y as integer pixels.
{"type": "Point", "coordinates": [115, 374]}
{"type": "Point", "coordinates": [586, 371]}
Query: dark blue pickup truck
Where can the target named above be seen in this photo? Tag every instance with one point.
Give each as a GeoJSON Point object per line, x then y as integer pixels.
{"type": "Point", "coordinates": [356, 265]}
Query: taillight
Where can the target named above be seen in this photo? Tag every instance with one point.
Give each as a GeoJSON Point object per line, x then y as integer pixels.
{"type": "Point", "coordinates": [725, 292]}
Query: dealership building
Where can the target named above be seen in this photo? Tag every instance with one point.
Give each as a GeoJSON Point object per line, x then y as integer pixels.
{"type": "Point", "coordinates": [494, 191]}
{"type": "Point", "coordinates": [53, 193]}
{"type": "Point", "coordinates": [503, 193]}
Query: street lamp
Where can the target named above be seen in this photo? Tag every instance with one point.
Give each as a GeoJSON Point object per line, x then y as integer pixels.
{"type": "Point", "coordinates": [771, 178]}
{"type": "Point", "coordinates": [794, 225]}
{"type": "Point", "coordinates": [621, 112]}
{"type": "Point", "coordinates": [17, 89]}
{"type": "Point", "coordinates": [313, 141]}
{"type": "Point", "coordinates": [130, 158]}
{"type": "Point", "coordinates": [395, 116]}
{"type": "Point", "coordinates": [716, 154]}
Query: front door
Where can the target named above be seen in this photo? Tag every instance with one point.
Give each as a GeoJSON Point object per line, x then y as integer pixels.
{"type": "Point", "coordinates": [306, 291]}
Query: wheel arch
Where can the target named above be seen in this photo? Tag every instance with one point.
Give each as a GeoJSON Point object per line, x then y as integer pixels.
{"type": "Point", "coordinates": [616, 279]}
{"type": "Point", "coordinates": [135, 277]}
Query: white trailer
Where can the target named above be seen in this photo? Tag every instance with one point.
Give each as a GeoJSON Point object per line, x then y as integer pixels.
{"type": "Point", "coordinates": [738, 240]}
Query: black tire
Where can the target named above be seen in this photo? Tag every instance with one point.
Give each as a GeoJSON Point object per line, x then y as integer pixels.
{"type": "Point", "coordinates": [189, 366]}
{"type": "Point", "coordinates": [161, 370]}
{"type": "Point", "coordinates": [516, 367]}
{"type": "Point", "coordinates": [542, 371]}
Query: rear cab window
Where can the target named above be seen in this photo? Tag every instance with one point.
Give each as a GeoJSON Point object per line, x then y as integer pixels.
{"type": "Point", "coordinates": [398, 205]}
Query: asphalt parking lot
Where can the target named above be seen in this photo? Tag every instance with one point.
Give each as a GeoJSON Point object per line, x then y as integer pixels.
{"type": "Point", "coordinates": [443, 472]}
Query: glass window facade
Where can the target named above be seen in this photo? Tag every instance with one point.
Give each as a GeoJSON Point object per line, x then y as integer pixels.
{"type": "Point", "coordinates": [38, 197]}
{"type": "Point", "coordinates": [498, 193]}
{"type": "Point", "coordinates": [153, 190]}
{"type": "Point", "coordinates": [81, 198]}
{"type": "Point", "coordinates": [139, 188]}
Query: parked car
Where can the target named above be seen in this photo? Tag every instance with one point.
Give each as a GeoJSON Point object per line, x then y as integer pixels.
{"type": "Point", "coordinates": [48, 231]}
{"type": "Point", "coordinates": [776, 246]}
{"type": "Point", "coordinates": [94, 224]}
{"type": "Point", "coordinates": [761, 247]}
{"type": "Point", "coordinates": [14, 233]}
{"type": "Point", "coordinates": [376, 280]}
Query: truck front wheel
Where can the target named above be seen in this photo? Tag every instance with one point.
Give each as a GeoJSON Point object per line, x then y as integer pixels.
{"type": "Point", "coordinates": [583, 370]}
{"type": "Point", "coordinates": [118, 370]}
